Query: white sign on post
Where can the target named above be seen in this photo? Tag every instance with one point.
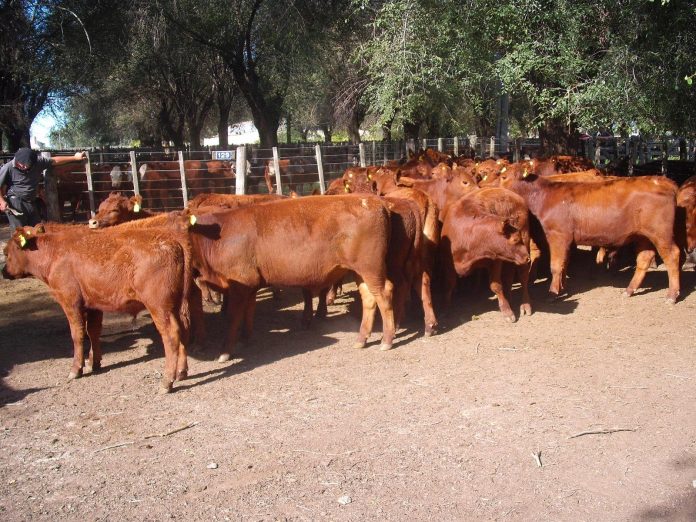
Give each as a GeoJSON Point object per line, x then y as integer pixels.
{"type": "Point", "coordinates": [225, 155]}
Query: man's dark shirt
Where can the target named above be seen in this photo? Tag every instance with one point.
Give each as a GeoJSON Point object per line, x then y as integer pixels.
{"type": "Point", "coordinates": [23, 184]}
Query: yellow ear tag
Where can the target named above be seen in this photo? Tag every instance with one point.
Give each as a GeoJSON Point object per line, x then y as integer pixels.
{"type": "Point", "coordinates": [192, 219]}
{"type": "Point", "coordinates": [136, 208]}
{"type": "Point", "coordinates": [22, 241]}
{"type": "Point", "coordinates": [503, 170]}
{"type": "Point", "coordinates": [525, 173]}
{"type": "Point", "coordinates": [485, 177]}
{"type": "Point", "coordinates": [369, 177]}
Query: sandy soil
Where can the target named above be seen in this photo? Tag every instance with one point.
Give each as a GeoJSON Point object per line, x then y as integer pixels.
{"type": "Point", "coordinates": [301, 426]}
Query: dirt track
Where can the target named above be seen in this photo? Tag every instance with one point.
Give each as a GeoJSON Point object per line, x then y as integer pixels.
{"type": "Point", "coordinates": [437, 429]}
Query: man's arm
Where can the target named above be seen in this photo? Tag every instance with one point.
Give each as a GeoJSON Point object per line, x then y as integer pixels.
{"type": "Point", "coordinates": [3, 179]}
{"type": "Point", "coordinates": [62, 160]}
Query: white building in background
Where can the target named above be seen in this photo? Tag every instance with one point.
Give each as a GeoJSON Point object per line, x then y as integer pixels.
{"type": "Point", "coordinates": [237, 134]}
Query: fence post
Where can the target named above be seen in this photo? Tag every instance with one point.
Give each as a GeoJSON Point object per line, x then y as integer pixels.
{"type": "Point", "coordinates": [633, 156]}
{"type": "Point", "coordinates": [683, 151]}
{"type": "Point", "coordinates": [665, 148]}
{"type": "Point", "coordinates": [374, 152]}
{"type": "Point", "coordinates": [597, 152]}
{"type": "Point", "coordinates": [456, 146]}
{"type": "Point", "coordinates": [410, 147]}
{"type": "Point", "coordinates": [182, 172]}
{"type": "Point", "coordinates": [385, 153]}
{"type": "Point", "coordinates": [90, 185]}
{"type": "Point", "coordinates": [134, 174]}
{"type": "Point", "coordinates": [472, 143]}
{"type": "Point", "coordinates": [425, 143]}
{"type": "Point", "coordinates": [516, 152]}
{"type": "Point", "coordinates": [361, 150]}
{"type": "Point", "coordinates": [51, 189]}
{"type": "Point", "coordinates": [320, 168]}
{"type": "Point", "coordinates": [491, 149]}
{"type": "Point", "coordinates": [240, 171]}
{"type": "Point", "coordinates": [276, 168]}
{"type": "Point", "coordinates": [440, 144]}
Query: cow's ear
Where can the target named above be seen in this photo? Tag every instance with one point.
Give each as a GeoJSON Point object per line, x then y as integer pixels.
{"type": "Point", "coordinates": [40, 229]}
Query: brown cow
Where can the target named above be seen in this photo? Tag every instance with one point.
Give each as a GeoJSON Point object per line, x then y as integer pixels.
{"type": "Point", "coordinates": [484, 229]}
{"type": "Point", "coordinates": [161, 182]}
{"type": "Point", "coordinates": [686, 200]}
{"type": "Point", "coordinates": [293, 172]}
{"type": "Point", "coordinates": [309, 242]}
{"type": "Point", "coordinates": [608, 213]}
{"type": "Point", "coordinates": [91, 272]}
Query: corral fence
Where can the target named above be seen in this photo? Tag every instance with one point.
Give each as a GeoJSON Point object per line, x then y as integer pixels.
{"type": "Point", "coordinates": [167, 180]}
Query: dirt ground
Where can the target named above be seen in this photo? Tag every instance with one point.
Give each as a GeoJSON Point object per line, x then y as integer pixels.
{"type": "Point", "coordinates": [301, 426]}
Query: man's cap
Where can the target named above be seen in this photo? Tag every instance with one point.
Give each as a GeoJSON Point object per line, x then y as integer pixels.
{"type": "Point", "coordinates": [26, 156]}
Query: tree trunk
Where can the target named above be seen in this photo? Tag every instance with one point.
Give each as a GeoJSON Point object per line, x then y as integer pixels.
{"type": "Point", "coordinates": [558, 138]}
{"type": "Point", "coordinates": [18, 137]}
{"type": "Point", "coordinates": [356, 118]}
{"type": "Point", "coordinates": [223, 125]}
{"type": "Point", "coordinates": [411, 130]}
{"type": "Point", "coordinates": [387, 130]}
{"type": "Point", "coordinates": [327, 132]}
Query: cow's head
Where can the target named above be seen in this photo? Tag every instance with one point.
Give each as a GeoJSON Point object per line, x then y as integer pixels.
{"type": "Point", "coordinates": [117, 209]}
{"type": "Point", "coordinates": [23, 241]}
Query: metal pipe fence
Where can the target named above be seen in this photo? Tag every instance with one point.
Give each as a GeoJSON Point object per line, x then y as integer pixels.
{"type": "Point", "coordinates": [168, 179]}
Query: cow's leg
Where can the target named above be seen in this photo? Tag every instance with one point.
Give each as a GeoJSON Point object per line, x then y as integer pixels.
{"type": "Point", "coordinates": [495, 281]}
{"type": "Point", "coordinates": [449, 277]}
{"type": "Point", "coordinates": [523, 277]}
{"type": "Point", "coordinates": [369, 303]}
{"type": "Point", "coordinates": [559, 247]}
{"type": "Point", "coordinates": [76, 320]}
{"type": "Point", "coordinates": [401, 289]}
{"type": "Point", "coordinates": [534, 256]}
{"type": "Point", "coordinates": [671, 254]}
{"type": "Point", "coordinates": [384, 302]}
{"type": "Point", "coordinates": [322, 309]}
{"type": "Point", "coordinates": [237, 300]}
{"type": "Point", "coordinates": [94, 329]}
{"type": "Point", "coordinates": [249, 311]}
{"type": "Point", "coordinates": [168, 327]}
{"type": "Point", "coordinates": [307, 310]}
{"type": "Point", "coordinates": [197, 320]}
{"type": "Point", "coordinates": [644, 258]}
{"type": "Point", "coordinates": [423, 286]}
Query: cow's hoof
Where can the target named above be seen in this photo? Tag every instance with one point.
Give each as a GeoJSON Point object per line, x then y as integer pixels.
{"type": "Point", "coordinates": [430, 330]}
{"type": "Point", "coordinates": [359, 345]}
{"type": "Point", "coordinates": [671, 300]}
{"type": "Point", "coordinates": [553, 297]}
{"type": "Point", "coordinates": [164, 389]}
{"type": "Point", "coordinates": [181, 375]}
{"type": "Point", "coordinates": [525, 309]}
{"type": "Point", "coordinates": [74, 375]}
{"type": "Point", "coordinates": [627, 293]}
{"type": "Point", "coordinates": [224, 357]}
{"type": "Point", "coordinates": [510, 318]}
{"type": "Point", "coordinates": [91, 369]}
{"type": "Point", "coordinates": [385, 347]}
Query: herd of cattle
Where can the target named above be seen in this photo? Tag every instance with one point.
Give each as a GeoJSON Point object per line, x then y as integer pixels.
{"type": "Point", "coordinates": [401, 228]}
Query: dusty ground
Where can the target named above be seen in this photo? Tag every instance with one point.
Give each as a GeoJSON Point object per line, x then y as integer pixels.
{"type": "Point", "coordinates": [303, 427]}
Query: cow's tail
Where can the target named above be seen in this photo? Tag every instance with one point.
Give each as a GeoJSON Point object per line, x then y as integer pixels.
{"type": "Point", "coordinates": [188, 290]}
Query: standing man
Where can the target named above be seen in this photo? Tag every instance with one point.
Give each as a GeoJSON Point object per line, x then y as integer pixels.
{"type": "Point", "coordinates": [19, 179]}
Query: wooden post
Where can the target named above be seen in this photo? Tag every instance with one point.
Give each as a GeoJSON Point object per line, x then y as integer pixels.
{"type": "Point", "coordinates": [320, 167]}
{"type": "Point", "coordinates": [276, 167]}
{"type": "Point", "coordinates": [425, 143]}
{"type": "Point", "coordinates": [374, 153]}
{"type": "Point", "coordinates": [182, 172]}
{"type": "Point", "coordinates": [665, 153]}
{"type": "Point", "coordinates": [101, 157]}
{"type": "Point", "coordinates": [516, 152]}
{"type": "Point", "coordinates": [633, 157]}
{"type": "Point", "coordinates": [456, 146]}
{"type": "Point", "coordinates": [597, 152]}
{"type": "Point", "coordinates": [385, 157]}
{"type": "Point", "coordinates": [472, 143]}
{"type": "Point", "coordinates": [491, 149]}
{"type": "Point", "coordinates": [134, 174]}
{"type": "Point", "coordinates": [240, 171]}
{"type": "Point", "coordinates": [90, 185]}
{"type": "Point", "coordinates": [51, 190]}
{"type": "Point", "coordinates": [361, 151]}
{"type": "Point", "coordinates": [440, 144]}
{"type": "Point", "coordinates": [683, 151]}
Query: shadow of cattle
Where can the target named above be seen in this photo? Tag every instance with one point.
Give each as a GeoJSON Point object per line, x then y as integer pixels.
{"type": "Point", "coordinates": [681, 506]}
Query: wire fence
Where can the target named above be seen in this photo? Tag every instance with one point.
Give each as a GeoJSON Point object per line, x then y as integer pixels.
{"type": "Point", "coordinates": [167, 180]}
